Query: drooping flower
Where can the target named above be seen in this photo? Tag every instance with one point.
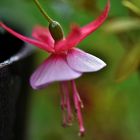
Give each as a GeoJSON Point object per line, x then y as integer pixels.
{"type": "Point", "coordinates": [65, 63]}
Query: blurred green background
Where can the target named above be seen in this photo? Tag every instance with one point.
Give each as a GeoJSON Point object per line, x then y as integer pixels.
{"type": "Point", "coordinates": [111, 96]}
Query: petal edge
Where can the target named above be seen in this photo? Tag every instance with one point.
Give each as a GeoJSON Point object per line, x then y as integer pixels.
{"type": "Point", "coordinates": [84, 62]}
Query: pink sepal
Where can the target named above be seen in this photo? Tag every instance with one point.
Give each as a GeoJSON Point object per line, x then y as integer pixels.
{"type": "Point", "coordinates": [42, 34]}
{"type": "Point", "coordinates": [37, 43]}
{"type": "Point", "coordinates": [78, 34]}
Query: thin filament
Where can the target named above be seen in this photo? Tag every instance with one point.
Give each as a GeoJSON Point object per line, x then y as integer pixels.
{"type": "Point", "coordinates": [77, 103]}
{"type": "Point", "coordinates": [65, 104]}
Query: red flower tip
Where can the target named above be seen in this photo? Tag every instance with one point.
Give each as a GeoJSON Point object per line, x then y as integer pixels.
{"type": "Point", "coordinates": [0, 23]}
{"type": "Point", "coordinates": [78, 34]}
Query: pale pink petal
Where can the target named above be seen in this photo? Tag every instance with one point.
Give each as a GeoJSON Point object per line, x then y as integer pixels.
{"type": "Point", "coordinates": [42, 34]}
{"type": "Point", "coordinates": [84, 62]}
{"type": "Point", "coordinates": [78, 34]}
{"type": "Point", "coordinates": [37, 43]}
{"type": "Point", "coordinates": [55, 68]}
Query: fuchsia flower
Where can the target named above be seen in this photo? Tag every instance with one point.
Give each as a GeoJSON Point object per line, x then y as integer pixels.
{"type": "Point", "coordinates": [65, 63]}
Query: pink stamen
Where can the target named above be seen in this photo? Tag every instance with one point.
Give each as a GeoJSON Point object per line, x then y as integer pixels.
{"type": "Point", "coordinates": [77, 94]}
{"type": "Point", "coordinates": [70, 116]}
{"type": "Point", "coordinates": [64, 123]}
{"type": "Point", "coordinates": [66, 106]}
{"type": "Point", "coordinates": [77, 103]}
{"type": "Point", "coordinates": [62, 103]}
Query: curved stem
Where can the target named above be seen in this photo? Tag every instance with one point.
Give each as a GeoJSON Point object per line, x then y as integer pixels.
{"type": "Point", "coordinates": [43, 11]}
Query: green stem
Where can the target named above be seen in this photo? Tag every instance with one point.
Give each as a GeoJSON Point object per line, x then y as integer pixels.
{"type": "Point", "coordinates": [43, 11]}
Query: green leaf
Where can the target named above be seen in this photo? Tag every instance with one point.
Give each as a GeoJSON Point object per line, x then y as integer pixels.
{"type": "Point", "coordinates": [133, 6]}
{"type": "Point", "coordinates": [129, 63]}
{"type": "Point", "coordinates": [122, 24]}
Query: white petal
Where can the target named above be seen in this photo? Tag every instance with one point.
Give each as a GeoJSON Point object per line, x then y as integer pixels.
{"type": "Point", "coordinates": [84, 62]}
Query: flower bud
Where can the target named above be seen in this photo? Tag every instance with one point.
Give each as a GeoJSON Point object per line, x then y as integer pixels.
{"type": "Point", "coordinates": [56, 31]}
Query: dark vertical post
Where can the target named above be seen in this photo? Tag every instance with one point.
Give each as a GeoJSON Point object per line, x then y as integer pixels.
{"type": "Point", "coordinates": [15, 62]}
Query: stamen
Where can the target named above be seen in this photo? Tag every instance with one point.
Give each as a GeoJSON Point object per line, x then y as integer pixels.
{"type": "Point", "coordinates": [66, 103]}
{"type": "Point", "coordinates": [70, 115]}
{"type": "Point", "coordinates": [77, 94]}
{"type": "Point", "coordinates": [77, 103]}
{"type": "Point", "coordinates": [63, 106]}
{"type": "Point", "coordinates": [64, 123]}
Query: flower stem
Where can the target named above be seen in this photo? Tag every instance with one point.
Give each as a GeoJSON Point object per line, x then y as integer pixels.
{"type": "Point", "coordinates": [50, 20]}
